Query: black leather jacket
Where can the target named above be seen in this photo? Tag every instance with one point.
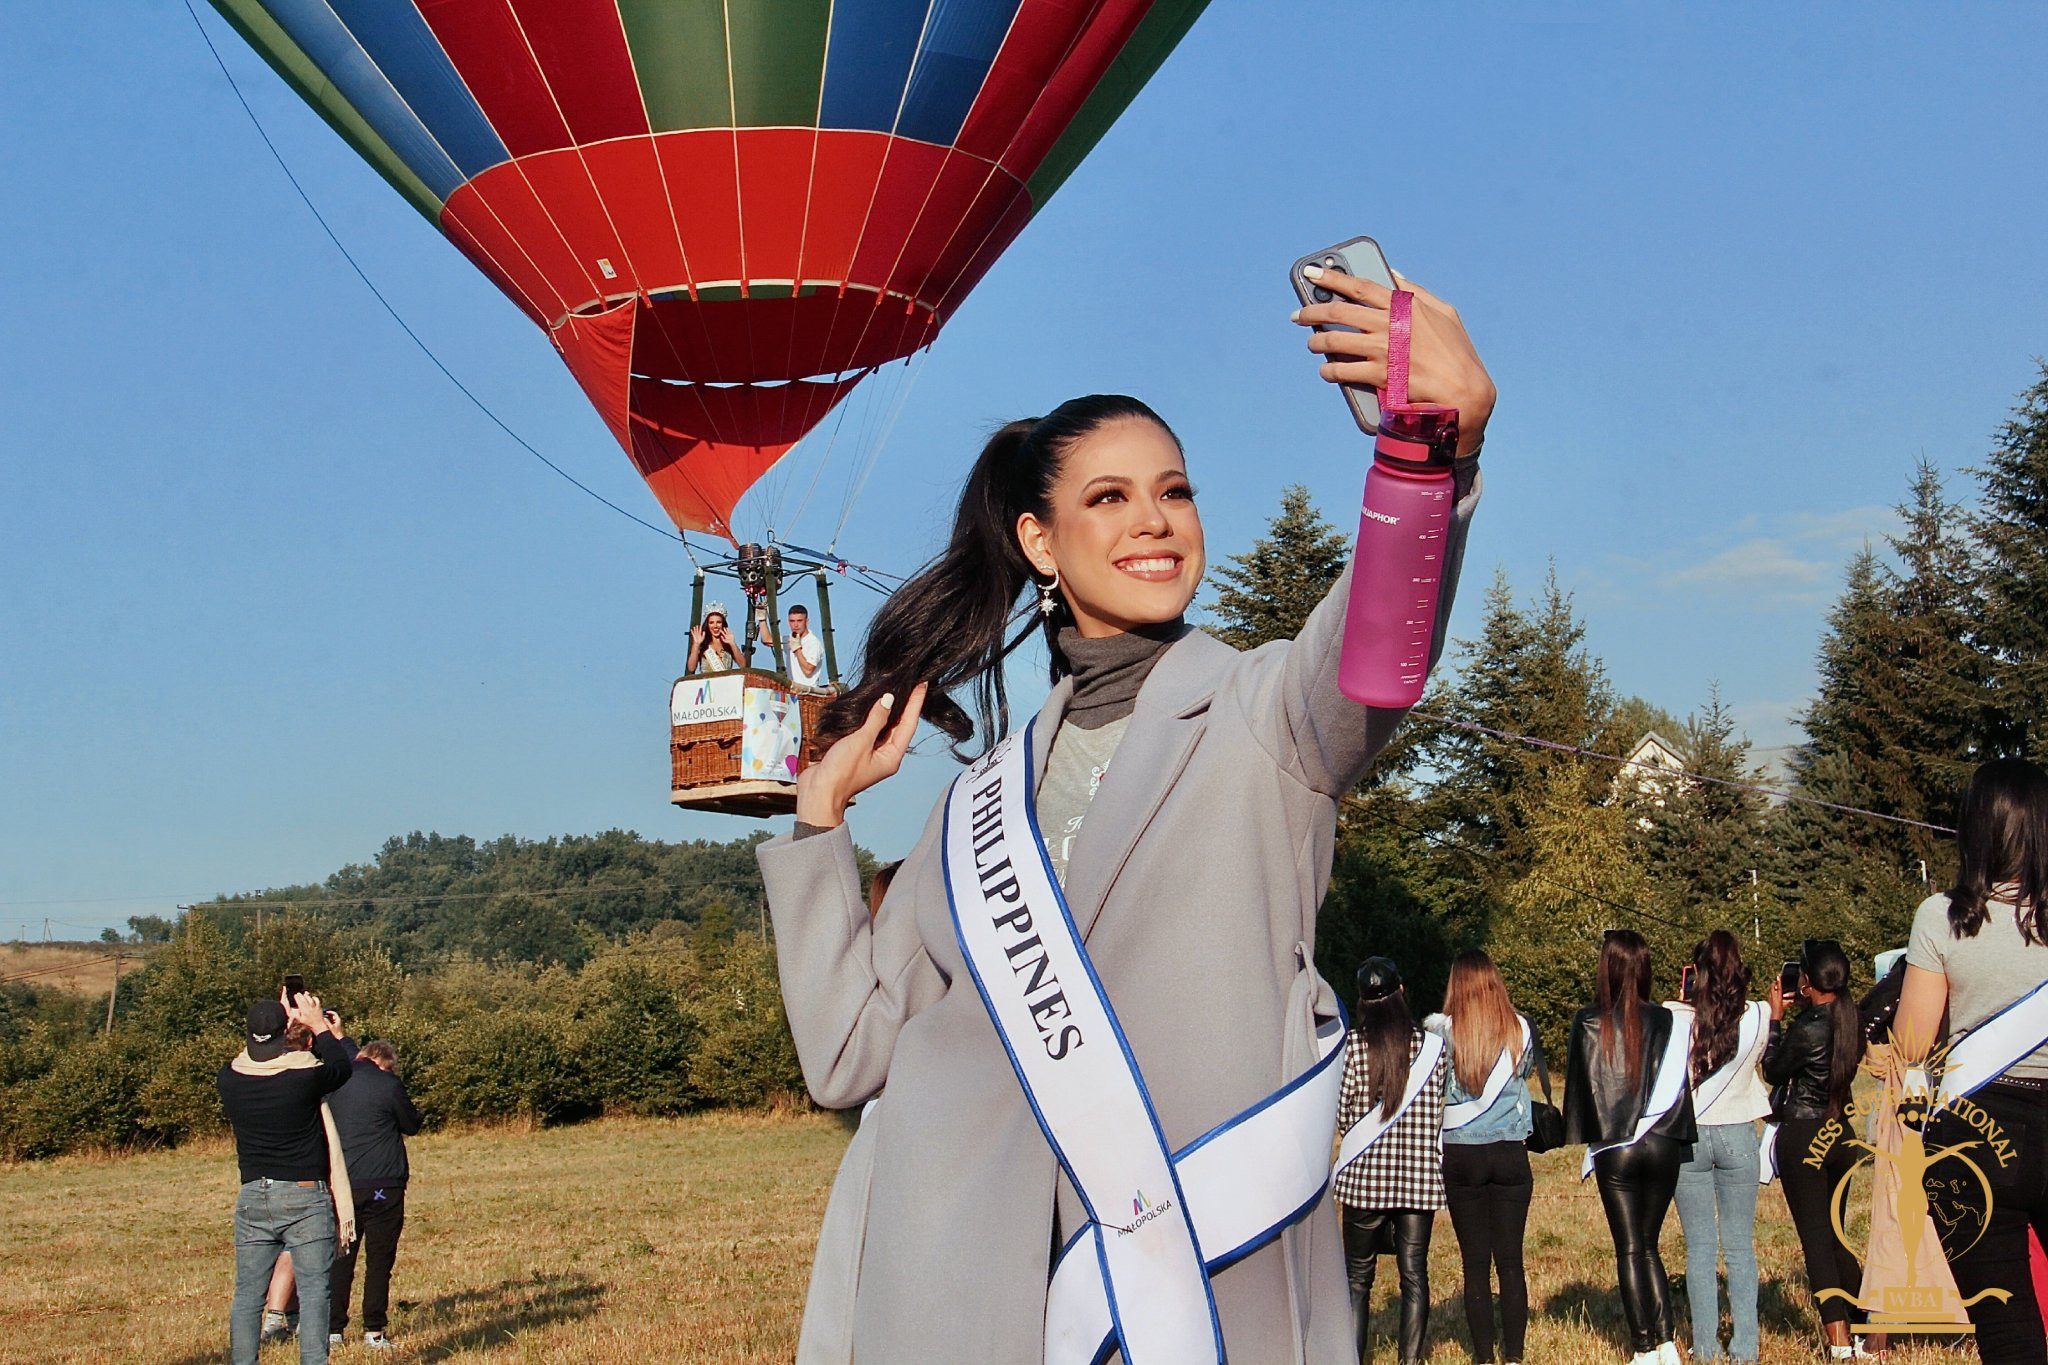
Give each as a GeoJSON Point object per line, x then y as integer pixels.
{"type": "Point", "coordinates": [1797, 1063]}
{"type": "Point", "coordinates": [1600, 1105]}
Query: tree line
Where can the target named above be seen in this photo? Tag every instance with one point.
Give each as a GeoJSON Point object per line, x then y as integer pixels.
{"type": "Point", "coordinates": [1489, 824]}
{"type": "Point", "coordinates": [555, 979]}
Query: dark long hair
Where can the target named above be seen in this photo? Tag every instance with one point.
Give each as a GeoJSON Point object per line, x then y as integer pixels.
{"type": "Point", "coordinates": [1389, 1032]}
{"type": "Point", "coordinates": [1879, 1007]}
{"type": "Point", "coordinates": [2002, 837]}
{"type": "Point", "coordinates": [949, 625]}
{"type": "Point", "coordinates": [1827, 969]}
{"type": "Point", "coordinates": [1624, 993]}
{"type": "Point", "coordinates": [1720, 993]}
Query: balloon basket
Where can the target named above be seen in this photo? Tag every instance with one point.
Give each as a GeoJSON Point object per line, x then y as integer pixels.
{"type": "Point", "coordinates": [707, 759]}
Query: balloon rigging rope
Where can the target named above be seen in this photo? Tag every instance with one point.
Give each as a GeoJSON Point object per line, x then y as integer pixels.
{"type": "Point", "coordinates": [396, 317]}
{"type": "Point", "coordinates": [914, 369]}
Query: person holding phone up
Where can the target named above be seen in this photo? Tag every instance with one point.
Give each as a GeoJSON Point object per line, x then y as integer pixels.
{"type": "Point", "coordinates": [1157, 977]}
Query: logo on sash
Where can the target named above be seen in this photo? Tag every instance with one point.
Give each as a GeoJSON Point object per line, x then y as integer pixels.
{"type": "Point", "coordinates": [1937, 1198]}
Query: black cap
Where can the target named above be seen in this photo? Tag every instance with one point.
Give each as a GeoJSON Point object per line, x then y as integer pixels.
{"type": "Point", "coordinates": [266, 1030]}
{"type": "Point", "coordinates": [1378, 978]}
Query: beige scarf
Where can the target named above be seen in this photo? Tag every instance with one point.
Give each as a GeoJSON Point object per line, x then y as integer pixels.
{"type": "Point", "coordinates": [337, 1169]}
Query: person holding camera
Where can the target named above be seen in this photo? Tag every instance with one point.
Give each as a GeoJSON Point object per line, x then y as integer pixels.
{"type": "Point", "coordinates": [1810, 1064]}
{"type": "Point", "coordinates": [1029, 1002]}
{"type": "Point", "coordinates": [295, 1193]}
{"type": "Point", "coordinates": [373, 1116]}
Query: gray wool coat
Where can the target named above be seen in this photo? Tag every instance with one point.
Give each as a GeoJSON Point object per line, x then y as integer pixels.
{"type": "Point", "coordinates": [1195, 881]}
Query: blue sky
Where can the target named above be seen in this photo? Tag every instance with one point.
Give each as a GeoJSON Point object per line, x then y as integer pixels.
{"type": "Point", "coordinates": [274, 591]}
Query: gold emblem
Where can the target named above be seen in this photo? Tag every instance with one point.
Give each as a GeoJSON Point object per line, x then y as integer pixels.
{"type": "Point", "coordinates": [1942, 1191]}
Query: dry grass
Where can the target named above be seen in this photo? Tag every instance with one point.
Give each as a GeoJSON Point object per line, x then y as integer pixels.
{"type": "Point", "coordinates": [82, 967]}
{"type": "Point", "coordinates": [642, 1240]}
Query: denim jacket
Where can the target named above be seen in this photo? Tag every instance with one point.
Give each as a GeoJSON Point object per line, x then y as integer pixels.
{"type": "Point", "coordinates": [1507, 1119]}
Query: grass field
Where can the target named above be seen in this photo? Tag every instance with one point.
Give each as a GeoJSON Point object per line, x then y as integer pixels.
{"type": "Point", "coordinates": [642, 1240]}
{"type": "Point", "coordinates": [82, 967]}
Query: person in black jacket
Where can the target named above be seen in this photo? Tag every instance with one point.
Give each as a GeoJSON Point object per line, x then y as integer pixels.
{"type": "Point", "coordinates": [1639, 1131]}
{"type": "Point", "coordinates": [1810, 1065]}
{"type": "Point", "coordinates": [374, 1116]}
{"type": "Point", "coordinates": [273, 1095]}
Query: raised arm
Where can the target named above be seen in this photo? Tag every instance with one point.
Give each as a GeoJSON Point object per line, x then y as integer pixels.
{"type": "Point", "coordinates": [1322, 736]}
{"type": "Point", "coordinates": [849, 980]}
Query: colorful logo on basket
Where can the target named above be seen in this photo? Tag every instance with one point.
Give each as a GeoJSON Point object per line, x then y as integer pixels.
{"type": "Point", "coordinates": [1139, 1204]}
{"type": "Point", "coordinates": [1940, 1198]}
{"type": "Point", "coordinates": [706, 701]}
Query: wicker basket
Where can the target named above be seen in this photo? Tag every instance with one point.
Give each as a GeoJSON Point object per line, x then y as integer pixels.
{"type": "Point", "coordinates": [706, 756]}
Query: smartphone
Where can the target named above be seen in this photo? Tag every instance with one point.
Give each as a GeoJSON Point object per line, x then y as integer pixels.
{"type": "Point", "coordinates": [294, 987]}
{"type": "Point", "coordinates": [1686, 976]}
{"type": "Point", "coordinates": [1788, 980]}
{"type": "Point", "coordinates": [1360, 257]}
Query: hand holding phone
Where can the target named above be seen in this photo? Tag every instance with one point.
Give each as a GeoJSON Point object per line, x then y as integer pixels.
{"type": "Point", "coordinates": [1361, 258]}
{"type": "Point", "coordinates": [1688, 978]}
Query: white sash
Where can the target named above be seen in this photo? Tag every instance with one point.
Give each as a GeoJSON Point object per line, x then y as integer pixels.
{"type": "Point", "coordinates": [1664, 1092]}
{"type": "Point", "coordinates": [1989, 1050]}
{"type": "Point", "coordinates": [1135, 1280]}
{"type": "Point", "coordinates": [1370, 1127]}
{"type": "Point", "coordinates": [1467, 1111]}
{"type": "Point", "coordinates": [1755, 1018]}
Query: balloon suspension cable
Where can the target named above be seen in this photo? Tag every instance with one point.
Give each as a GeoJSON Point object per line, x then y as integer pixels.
{"type": "Point", "coordinates": [913, 368]}
{"type": "Point", "coordinates": [396, 317]}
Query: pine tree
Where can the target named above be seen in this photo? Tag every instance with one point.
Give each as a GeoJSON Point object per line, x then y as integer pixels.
{"type": "Point", "coordinates": [1700, 839]}
{"type": "Point", "coordinates": [2012, 529]}
{"type": "Point", "coordinates": [1267, 592]}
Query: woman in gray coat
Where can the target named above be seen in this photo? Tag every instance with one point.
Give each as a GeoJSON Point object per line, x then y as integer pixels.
{"type": "Point", "coordinates": [1193, 881]}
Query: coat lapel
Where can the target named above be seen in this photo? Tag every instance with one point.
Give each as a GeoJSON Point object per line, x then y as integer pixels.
{"type": "Point", "coordinates": [1171, 712]}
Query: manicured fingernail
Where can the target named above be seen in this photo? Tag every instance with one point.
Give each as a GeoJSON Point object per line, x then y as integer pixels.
{"type": "Point", "coordinates": [1314, 272]}
{"type": "Point", "coordinates": [888, 699]}
{"type": "Point", "coordinates": [1294, 316]}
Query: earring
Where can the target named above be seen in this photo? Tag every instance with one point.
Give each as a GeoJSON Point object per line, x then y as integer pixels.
{"type": "Point", "coordinates": [1047, 603]}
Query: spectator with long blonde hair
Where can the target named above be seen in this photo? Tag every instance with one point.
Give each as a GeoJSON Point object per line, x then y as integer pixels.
{"type": "Point", "coordinates": [1486, 1154]}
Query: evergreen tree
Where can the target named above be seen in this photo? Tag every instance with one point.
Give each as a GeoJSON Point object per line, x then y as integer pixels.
{"type": "Point", "coordinates": [1529, 675]}
{"type": "Point", "coordinates": [1267, 592]}
{"type": "Point", "coordinates": [2012, 529]}
{"type": "Point", "coordinates": [1699, 840]}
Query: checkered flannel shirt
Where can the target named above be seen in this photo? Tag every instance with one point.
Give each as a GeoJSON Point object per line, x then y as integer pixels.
{"type": "Point", "coordinates": [1405, 1168]}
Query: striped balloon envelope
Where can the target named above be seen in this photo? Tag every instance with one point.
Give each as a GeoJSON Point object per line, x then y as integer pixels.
{"type": "Point", "coordinates": [724, 213]}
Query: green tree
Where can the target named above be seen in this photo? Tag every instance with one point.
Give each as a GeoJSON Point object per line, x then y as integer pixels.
{"type": "Point", "coordinates": [1268, 592]}
{"type": "Point", "coordinates": [1699, 840]}
{"type": "Point", "coordinates": [2012, 528]}
{"type": "Point", "coordinates": [150, 928]}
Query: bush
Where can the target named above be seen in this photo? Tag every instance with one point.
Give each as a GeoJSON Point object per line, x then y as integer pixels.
{"type": "Point", "coordinates": [90, 1098]}
{"type": "Point", "coordinates": [746, 1056]}
{"type": "Point", "coordinates": [514, 1064]}
{"type": "Point", "coordinates": [180, 1099]}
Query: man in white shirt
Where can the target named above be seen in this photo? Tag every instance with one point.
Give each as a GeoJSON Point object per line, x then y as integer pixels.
{"type": "Point", "coordinates": [806, 654]}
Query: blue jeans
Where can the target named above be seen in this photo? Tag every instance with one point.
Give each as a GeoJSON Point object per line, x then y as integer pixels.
{"type": "Point", "coordinates": [1721, 1176]}
{"type": "Point", "coordinates": [273, 1216]}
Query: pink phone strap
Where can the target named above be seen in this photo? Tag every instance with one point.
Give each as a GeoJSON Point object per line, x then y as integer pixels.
{"type": "Point", "coordinates": [1400, 336]}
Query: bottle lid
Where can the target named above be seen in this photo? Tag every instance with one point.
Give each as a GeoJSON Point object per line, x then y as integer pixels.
{"type": "Point", "coordinates": [1417, 437]}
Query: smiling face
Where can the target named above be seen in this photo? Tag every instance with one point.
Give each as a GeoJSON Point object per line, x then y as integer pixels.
{"type": "Point", "coordinates": [1122, 529]}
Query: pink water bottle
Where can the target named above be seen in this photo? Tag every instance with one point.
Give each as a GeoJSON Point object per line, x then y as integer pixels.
{"type": "Point", "coordinates": [1403, 531]}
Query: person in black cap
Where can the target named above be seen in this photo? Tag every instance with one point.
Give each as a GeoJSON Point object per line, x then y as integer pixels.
{"type": "Point", "coordinates": [1390, 1191]}
{"type": "Point", "coordinates": [294, 1194]}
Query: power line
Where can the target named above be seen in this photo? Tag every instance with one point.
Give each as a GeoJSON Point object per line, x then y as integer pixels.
{"type": "Point", "coordinates": [1778, 792]}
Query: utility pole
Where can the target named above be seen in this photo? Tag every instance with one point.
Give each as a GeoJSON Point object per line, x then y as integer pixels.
{"type": "Point", "coordinates": [112, 993]}
{"type": "Point", "coordinates": [1756, 922]}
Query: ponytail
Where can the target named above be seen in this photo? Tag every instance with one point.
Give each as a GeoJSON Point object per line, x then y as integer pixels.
{"type": "Point", "coordinates": [1827, 969]}
{"type": "Point", "coordinates": [950, 625]}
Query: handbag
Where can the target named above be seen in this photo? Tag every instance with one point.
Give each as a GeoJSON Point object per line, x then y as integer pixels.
{"type": "Point", "coordinates": [1546, 1121]}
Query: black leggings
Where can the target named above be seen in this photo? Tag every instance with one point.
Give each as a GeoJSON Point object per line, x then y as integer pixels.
{"type": "Point", "coordinates": [1489, 1185]}
{"type": "Point", "coordinates": [2008, 1331]}
{"type": "Point", "coordinates": [1405, 1232]}
{"type": "Point", "coordinates": [1636, 1184]}
{"type": "Point", "coordinates": [1808, 1194]}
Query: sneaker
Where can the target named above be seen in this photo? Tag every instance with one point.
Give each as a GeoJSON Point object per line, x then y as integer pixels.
{"type": "Point", "coordinates": [1667, 1354]}
{"type": "Point", "coordinates": [333, 1340]}
{"type": "Point", "coordinates": [377, 1341]}
{"type": "Point", "coordinates": [276, 1326]}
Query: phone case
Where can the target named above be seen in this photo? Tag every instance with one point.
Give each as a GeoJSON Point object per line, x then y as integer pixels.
{"type": "Point", "coordinates": [1360, 257]}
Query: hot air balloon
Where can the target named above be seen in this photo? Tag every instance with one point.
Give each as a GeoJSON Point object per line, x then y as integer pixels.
{"type": "Point", "coordinates": [723, 213]}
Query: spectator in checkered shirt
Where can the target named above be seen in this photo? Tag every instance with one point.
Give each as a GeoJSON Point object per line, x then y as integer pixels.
{"type": "Point", "coordinates": [1389, 1193]}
